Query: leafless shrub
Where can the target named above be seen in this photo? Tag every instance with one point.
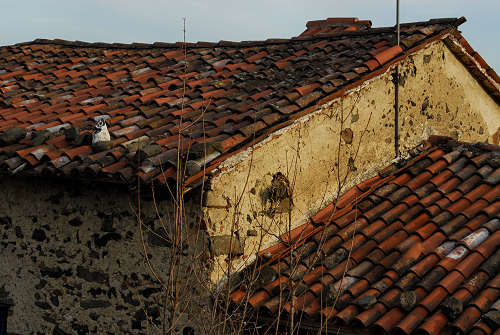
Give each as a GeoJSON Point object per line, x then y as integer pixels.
{"type": "Point", "coordinates": [188, 300]}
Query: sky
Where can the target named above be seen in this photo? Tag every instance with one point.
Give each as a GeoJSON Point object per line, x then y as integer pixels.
{"type": "Point", "coordinates": [213, 20]}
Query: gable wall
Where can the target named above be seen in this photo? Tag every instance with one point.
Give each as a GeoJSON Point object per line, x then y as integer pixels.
{"type": "Point", "coordinates": [72, 260]}
{"type": "Point", "coordinates": [437, 96]}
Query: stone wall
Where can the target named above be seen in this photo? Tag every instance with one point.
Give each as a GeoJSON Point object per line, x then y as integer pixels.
{"type": "Point", "coordinates": [317, 153]}
{"type": "Point", "coordinates": [72, 260]}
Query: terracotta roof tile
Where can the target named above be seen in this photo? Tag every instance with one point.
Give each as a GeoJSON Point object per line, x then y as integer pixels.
{"type": "Point", "coordinates": [48, 84]}
{"type": "Point", "coordinates": [422, 274]}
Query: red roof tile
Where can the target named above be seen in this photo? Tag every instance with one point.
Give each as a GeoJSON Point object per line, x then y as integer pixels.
{"type": "Point", "coordinates": [427, 274]}
{"type": "Point", "coordinates": [236, 93]}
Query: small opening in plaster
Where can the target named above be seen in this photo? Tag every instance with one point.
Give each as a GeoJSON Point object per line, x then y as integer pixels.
{"type": "Point", "coordinates": [277, 197]}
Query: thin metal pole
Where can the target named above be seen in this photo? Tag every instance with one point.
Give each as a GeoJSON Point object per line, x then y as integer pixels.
{"type": "Point", "coordinates": [397, 19]}
{"type": "Point", "coordinates": [396, 92]}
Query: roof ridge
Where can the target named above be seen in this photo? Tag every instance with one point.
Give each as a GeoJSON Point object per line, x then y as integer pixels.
{"type": "Point", "coordinates": [203, 44]}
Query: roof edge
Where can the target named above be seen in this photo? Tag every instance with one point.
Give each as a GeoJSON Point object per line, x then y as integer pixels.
{"type": "Point", "coordinates": [474, 63]}
{"type": "Point", "coordinates": [202, 44]}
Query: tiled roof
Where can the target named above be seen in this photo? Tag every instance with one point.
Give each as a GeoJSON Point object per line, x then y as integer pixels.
{"type": "Point", "coordinates": [419, 245]}
{"type": "Point", "coordinates": [235, 94]}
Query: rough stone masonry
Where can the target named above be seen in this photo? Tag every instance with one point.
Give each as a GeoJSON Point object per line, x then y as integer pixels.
{"type": "Point", "coordinates": [72, 262]}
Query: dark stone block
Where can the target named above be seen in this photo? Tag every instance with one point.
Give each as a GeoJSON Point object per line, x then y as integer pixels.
{"type": "Point", "coordinates": [112, 292]}
{"type": "Point", "coordinates": [42, 304]}
{"type": "Point", "coordinates": [140, 315]}
{"type": "Point", "coordinates": [55, 272]}
{"type": "Point", "coordinates": [51, 272]}
{"type": "Point", "coordinates": [41, 284]}
{"type": "Point", "coordinates": [56, 200]}
{"type": "Point", "coordinates": [19, 232]}
{"type": "Point", "coordinates": [4, 297]}
{"type": "Point", "coordinates": [94, 316]}
{"type": "Point", "coordinates": [91, 276]}
{"type": "Point", "coordinates": [75, 222]}
{"type": "Point", "coordinates": [128, 298]}
{"type": "Point", "coordinates": [49, 318]}
{"type": "Point", "coordinates": [136, 324]}
{"type": "Point", "coordinates": [154, 312]}
{"type": "Point", "coordinates": [94, 254]}
{"type": "Point", "coordinates": [39, 235]}
{"type": "Point", "coordinates": [80, 329]}
{"type": "Point", "coordinates": [91, 304]}
{"type": "Point", "coordinates": [6, 221]}
{"type": "Point", "coordinates": [102, 241]}
{"type": "Point", "coordinates": [96, 291]}
{"type": "Point", "coordinates": [107, 225]}
{"type": "Point", "coordinates": [59, 331]}
{"type": "Point", "coordinates": [54, 299]}
{"type": "Point", "coordinates": [147, 292]}
{"type": "Point", "coordinates": [158, 238]}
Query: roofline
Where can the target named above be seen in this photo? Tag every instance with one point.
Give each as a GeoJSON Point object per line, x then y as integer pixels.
{"type": "Point", "coordinates": [230, 44]}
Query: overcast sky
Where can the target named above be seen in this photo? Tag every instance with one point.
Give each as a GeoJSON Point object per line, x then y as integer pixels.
{"type": "Point", "coordinates": [214, 20]}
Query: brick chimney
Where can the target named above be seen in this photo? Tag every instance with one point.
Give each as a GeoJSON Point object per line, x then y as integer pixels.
{"type": "Point", "coordinates": [335, 25]}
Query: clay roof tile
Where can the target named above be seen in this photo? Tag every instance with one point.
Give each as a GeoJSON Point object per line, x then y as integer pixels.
{"type": "Point", "coordinates": [442, 255]}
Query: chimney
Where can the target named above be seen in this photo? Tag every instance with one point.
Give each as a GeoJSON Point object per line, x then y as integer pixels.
{"type": "Point", "coordinates": [335, 25]}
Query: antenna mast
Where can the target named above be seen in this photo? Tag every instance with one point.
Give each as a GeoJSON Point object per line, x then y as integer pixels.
{"type": "Point", "coordinates": [396, 92]}
{"type": "Point", "coordinates": [397, 20]}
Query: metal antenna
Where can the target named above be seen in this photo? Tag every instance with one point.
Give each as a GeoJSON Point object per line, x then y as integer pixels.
{"type": "Point", "coordinates": [396, 92]}
{"type": "Point", "coordinates": [397, 19]}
